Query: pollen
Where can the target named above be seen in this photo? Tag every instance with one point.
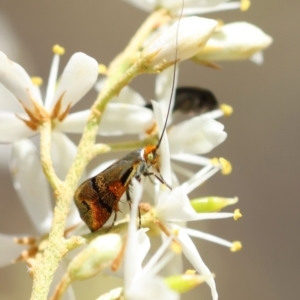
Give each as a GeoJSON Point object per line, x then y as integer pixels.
{"type": "Point", "coordinates": [37, 81]}
{"type": "Point", "coordinates": [237, 214]}
{"type": "Point", "coordinates": [245, 4]}
{"type": "Point", "coordinates": [190, 272]}
{"type": "Point", "coordinates": [58, 50]}
{"type": "Point", "coordinates": [236, 246]}
{"type": "Point", "coordinates": [227, 109]}
{"type": "Point", "coordinates": [226, 166]}
{"type": "Point", "coordinates": [102, 69]}
{"type": "Point", "coordinates": [176, 248]}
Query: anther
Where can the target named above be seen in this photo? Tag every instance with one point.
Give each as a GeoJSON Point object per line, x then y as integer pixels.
{"type": "Point", "coordinates": [37, 81]}
{"type": "Point", "coordinates": [237, 214]}
{"type": "Point", "coordinates": [226, 166]}
{"type": "Point", "coordinates": [102, 69]}
{"type": "Point", "coordinates": [245, 4]}
{"type": "Point", "coordinates": [236, 246]}
{"type": "Point", "coordinates": [58, 50]}
{"type": "Point", "coordinates": [227, 109]}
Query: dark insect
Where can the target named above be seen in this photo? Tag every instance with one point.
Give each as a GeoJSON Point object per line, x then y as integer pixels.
{"type": "Point", "coordinates": [193, 100]}
{"type": "Point", "coordinates": [99, 196]}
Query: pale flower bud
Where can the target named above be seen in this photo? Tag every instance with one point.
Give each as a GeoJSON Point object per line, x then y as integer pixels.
{"type": "Point", "coordinates": [98, 255]}
{"type": "Point", "coordinates": [234, 41]}
{"type": "Point", "coordinates": [193, 33]}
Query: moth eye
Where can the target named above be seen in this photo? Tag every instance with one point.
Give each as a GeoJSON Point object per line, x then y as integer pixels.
{"type": "Point", "coordinates": [150, 156]}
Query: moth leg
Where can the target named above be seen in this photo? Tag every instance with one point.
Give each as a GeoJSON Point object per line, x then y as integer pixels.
{"type": "Point", "coordinates": [159, 178]}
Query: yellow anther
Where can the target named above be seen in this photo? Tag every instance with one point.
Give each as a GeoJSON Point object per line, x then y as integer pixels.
{"type": "Point", "coordinates": [58, 50]}
{"type": "Point", "coordinates": [227, 109]}
{"type": "Point", "coordinates": [38, 81]}
{"type": "Point", "coordinates": [215, 161]}
{"type": "Point", "coordinates": [175, 231]}
{"type": "Point", "coordinates": [237, 214]}
{"type": "Point", "coordinates": [190, 272]}
{"type": "Point", "coordinates": [176, 248]}
{"type": "Point", "coordinates": [226, 166]}
{"type": "Point", "coordinates": [102, 69]}
{"type": "Point", "coordinates": [245, 4]}
{"type": "Point", "coordinates": [236, 246]}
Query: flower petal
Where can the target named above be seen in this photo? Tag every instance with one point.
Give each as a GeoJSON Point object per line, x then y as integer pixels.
{"type": "Point", "coordinates": [12, 128]}
{"type": "Point", "coordinates": [9, 249]}
{"type": "Point", "coordinates": [78, 77]}
{"type": "Point", "coordinates": [17, 81]}
{"type": "Point", "coordinates": [190, 251]}
{"type": "Point", "coordinates": [165, 162]}
{"type": "Point", "coordinates": [198, 135]}
{"type": "Point", "coordinates": [163, 88]}
{"type": "Point", "coordinates": [8, 102]}
{"type": "Point", "coordinates": [31, 185]}
{"type": "Point", "coordinates": [239, 40]}
{"type": "Point", "coordinates": [138, 119]}
{"type": "Point", "coordinates": [63, 152]}
{"type": "Point", "coordinates": [129, 96]}
{"type": "Point", "coordinates": [189, 39]}
{"type": "Point", "coordinates": [175, 206]}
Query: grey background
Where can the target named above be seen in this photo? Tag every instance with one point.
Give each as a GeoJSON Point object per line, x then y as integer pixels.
{"type": "Point", "coordinates": [263, 142]}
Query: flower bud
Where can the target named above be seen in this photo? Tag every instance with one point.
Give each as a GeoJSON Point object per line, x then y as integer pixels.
{"type": "Point", "coordinates": [98, 255]}
{"type": "Point", "coordinates": [234, 41]}
{"type": "Point", "coordinates": [192, 34]}
{"type": "Point", "coordinates": [184, 282]}
{"type": "Point", "coordinates": [211, 204]}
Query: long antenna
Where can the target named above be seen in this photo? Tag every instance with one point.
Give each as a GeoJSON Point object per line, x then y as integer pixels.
{"type": "Point", "coordinates": [174, 74]}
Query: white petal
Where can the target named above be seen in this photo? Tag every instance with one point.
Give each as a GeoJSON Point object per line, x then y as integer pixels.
{"type": "Point", "coordinates": [192, 35]}
{"type": "Point", "coordinates": [192, 159]}
{"type": "Point", "coordinates": [163, 88]}
{"type": "Point", "coordinates": [17, 81]}
{"type": "Point", "coordinates": [191, 253]}
{"type": "Point", "coordinates": [207, 237]}
{"type": "Point", "coordinates": [9, 249]}
{"type": "Point", "coordinates": [198, 135]}
{"type": "Point", "coordinates": [234, 41]}
{"type": "Point", "coordinates": [165, 162]}
{"type": "Point", "coordinates": [129, 96]}
{"type": "Point", "coordinates": [150, 288]}
{"type": "Point", "coordinates": [147, 5]}
{"type": "Point", "coordinates": [12, 128]}
{"type": "Point", "coordinates": [63, 152]}
{"type": "Point", "coordinates": [78, 77]}
{"type": "Point", "coordinates": [31, 185]}
{"type": "Point", "coordinates": [8, 102]}
{"type": "Point", "coordinates": [135, 240]}
{"type": "Point", "coordinates": [118, 119]}
{"type": "Point", "coordinates": [175, 206]}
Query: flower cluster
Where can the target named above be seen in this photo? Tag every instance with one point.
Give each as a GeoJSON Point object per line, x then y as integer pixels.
{"type": "Point", "coordinates": [157, 47]}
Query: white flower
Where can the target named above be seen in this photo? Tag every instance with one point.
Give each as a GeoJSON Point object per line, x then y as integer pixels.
{"type": "Point", "coordinates": [142, 282]}
{"type": "Point", "coordinates": [34, 193]}
{"type": "Point", "coordinates": [191, 7]}
{"type": "Point", "coordinates": [187, 36]}
{"type": "Point", "coordinates": [234, 41]}
{"type": "Point", "coordinates": [174, 206]}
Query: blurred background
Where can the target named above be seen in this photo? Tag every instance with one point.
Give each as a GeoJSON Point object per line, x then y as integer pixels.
{"type": "Point", "coordinates": [262, 145]}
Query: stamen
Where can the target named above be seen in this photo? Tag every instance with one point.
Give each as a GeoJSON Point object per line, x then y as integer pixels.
{"type": "Point", "coordinates": [227, 109]}
{"type": "Point", "coordinates": [226, 166]}
{"type": "Point", "coordinates": [237, 214]}
{"type": "Point", "coordinates": [58, 50]}
{"type": "Point", "coordinates": [37, 81]}
{"type": "Point", "coordinates": [245, 4]}
{"type": "Point", "coordinates": [190, 272]}
{"type": "Point", "coordinates": [176, 248]}
{"type": "Point", "coordinates": [236, 246]}
{"type": "Point", "coordinates": [102, 69]}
